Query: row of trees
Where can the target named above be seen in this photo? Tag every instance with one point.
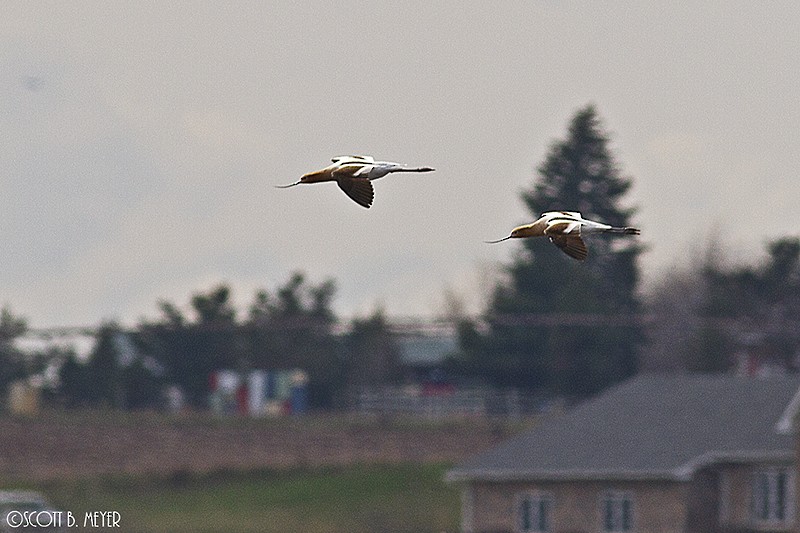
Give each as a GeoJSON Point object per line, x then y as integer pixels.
{"type": "Point", "coordinates": [290, 328]}
{"type": "Point", "coordinates": [713, 312]}
{"type": "Point", "coordinates": [691, 322]}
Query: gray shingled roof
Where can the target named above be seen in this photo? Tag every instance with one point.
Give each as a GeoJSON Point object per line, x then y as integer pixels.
{"type": "Point", "coordinates": [651, 427]}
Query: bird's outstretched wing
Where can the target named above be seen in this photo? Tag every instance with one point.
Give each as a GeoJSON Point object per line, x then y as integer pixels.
{"type": "Point", "coordinates": [572, 245]}
{"type": "Point", "coordinates": [359, 189]}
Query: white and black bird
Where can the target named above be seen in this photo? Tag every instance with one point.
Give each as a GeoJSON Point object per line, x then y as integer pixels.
{"type": "Point", "coordinates": [564, 228]}
{"type": "Point", "coordinates": [354, 175]}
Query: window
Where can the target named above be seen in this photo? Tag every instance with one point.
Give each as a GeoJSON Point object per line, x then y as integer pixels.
{"type": "Point", "coordinates": [617, 511]}
{"type": "Point", "coordinates": [771, 495]}
{"type": "Point", "coordinates": [534, 511]}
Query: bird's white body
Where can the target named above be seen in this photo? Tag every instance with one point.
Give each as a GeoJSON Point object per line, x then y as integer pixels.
{"type": "Point", "coordinates": [571, 222]}
{"type": "Point", "coordinates": [365, 166]}
{"type": "Point", "coordinates": [564, 228]}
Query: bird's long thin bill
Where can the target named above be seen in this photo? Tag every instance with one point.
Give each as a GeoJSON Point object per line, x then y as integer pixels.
{"type": "Point", "coordinates": [498, 240]}
{"type": "Point", "coordinates": [287, 186]}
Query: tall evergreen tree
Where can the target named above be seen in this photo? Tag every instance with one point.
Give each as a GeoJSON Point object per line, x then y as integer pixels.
{"type": "Point", "coordinates": [578, 174]}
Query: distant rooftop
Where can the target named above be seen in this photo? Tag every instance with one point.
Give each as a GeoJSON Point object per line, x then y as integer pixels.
{"type": "Point", "coordinates": [651, 427]}
{"type": "Point", "coordinates": [427, 349]}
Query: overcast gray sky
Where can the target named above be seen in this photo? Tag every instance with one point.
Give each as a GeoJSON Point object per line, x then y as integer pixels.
{"type": "Point", "coordinates": [141, 141]}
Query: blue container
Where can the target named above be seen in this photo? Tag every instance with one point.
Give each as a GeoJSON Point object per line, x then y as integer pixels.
{"type": "Point", "coordinates": [299, 399]}
{"type": "Point", "coordinates": [269, 389]}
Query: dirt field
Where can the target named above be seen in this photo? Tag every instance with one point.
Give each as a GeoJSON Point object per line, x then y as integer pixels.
{"type": "Point", "coordinates": [72, 445]}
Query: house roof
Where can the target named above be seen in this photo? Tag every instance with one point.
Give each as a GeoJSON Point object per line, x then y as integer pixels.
{"type": "Point", "coordinates": [426, 349]}
{"type": "Point", "coordinates": [651, 427]}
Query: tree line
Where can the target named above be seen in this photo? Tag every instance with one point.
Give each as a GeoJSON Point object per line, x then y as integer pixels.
{"type": "Point", "coordinates": [705, 316]}
{"type": "Point", "coordinates": [293, 327]}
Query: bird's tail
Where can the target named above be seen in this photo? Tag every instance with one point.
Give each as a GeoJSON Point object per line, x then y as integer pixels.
{"type": "Point", "coordinates": [626, 231]}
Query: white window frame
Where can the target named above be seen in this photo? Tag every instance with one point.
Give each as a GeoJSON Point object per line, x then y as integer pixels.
{"type": "Point", "coordinates": [618, 499]}
{"type": "Point", "coordinates": [535, 499]}
{"type": "Point", "coordinates": [766, 509]}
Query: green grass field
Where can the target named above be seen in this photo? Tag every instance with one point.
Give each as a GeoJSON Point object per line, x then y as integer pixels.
{"type": "Point", "coordinates": [361, 498]}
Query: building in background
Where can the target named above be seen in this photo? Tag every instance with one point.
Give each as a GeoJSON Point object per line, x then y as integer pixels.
{"type": "Point", "coordinates": [657, 454]}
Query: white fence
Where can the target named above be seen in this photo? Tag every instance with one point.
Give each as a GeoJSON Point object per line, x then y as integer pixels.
{"type": "Point", "coordinates": [477, 401]}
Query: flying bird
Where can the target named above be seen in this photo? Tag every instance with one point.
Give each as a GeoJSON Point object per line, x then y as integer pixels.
{"type": "Point", "coordinates": [564, 228]}
{"type": "Point", "coordinates": [354, 175]}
